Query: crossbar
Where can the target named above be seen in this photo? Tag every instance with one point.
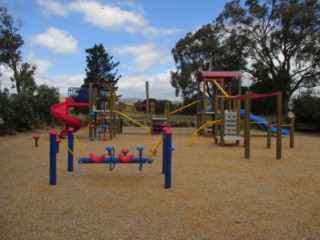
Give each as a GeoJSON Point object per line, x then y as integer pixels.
{"type": "Point", "coordinates": [115, 160]}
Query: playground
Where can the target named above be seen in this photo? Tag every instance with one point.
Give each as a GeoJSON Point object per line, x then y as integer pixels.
{"type": "Point", "coordinates": [216, 192]}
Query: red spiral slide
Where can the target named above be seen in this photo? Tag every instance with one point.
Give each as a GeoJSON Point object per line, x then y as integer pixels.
{"type": "Point", "coordinates": [60, 111]}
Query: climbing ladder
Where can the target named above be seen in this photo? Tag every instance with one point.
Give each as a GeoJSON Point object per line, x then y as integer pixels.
{"type": "Point", "coordinates": [228, 129]}
{"type": "Point", "coordinates": [230, 126]}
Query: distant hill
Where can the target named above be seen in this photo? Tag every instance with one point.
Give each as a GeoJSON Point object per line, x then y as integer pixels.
{"type": "Point", "coordinates": [133, 100]}
{"type": "Point", "coordinates": [62, 99]}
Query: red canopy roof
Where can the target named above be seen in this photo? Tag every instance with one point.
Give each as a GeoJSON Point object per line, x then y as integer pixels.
{"type": "Point", "coordinates": [227, 76]}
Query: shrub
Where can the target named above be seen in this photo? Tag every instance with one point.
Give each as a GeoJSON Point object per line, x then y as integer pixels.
{"type": "Point", "coordinates": [307, 108]}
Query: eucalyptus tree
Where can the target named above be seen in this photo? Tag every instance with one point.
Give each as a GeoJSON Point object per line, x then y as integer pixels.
{"type": "Point", "coordinates": [282, 40]}
{"type": "Point", "coordinates": [206, 49]}
{"type": "Point", "coordinates": [10, 44]}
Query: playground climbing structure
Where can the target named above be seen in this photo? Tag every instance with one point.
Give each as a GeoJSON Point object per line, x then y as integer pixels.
{"type": "Point", "coordinates": [214, 104]}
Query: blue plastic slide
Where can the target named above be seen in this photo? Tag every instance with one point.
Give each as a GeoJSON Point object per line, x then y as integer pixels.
{"type": "Point", "coordinates": [263, 126]}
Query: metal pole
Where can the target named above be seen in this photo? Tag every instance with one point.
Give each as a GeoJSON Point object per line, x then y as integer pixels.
{"type": "Point", "coordinates": [70, 145]}
{"type": "Point", "coordinates": [269, 135]}
{"type": "Point", "coordinates": [222, 126]}
{"type": "Point", "coordinates": [147, 101]}
{"type": "Point", "coordinates": [168, 153]}
{"type": "Point", "coordinates": [247, 110]}
{"type": "Point", "coordinates": [292, 133]}
{"type": "Point", "coordinates": [279, 125]}
{"type": "Point", "coordinates": [164, 153]}
{"type": "Point", "coordinates": [53, 158]}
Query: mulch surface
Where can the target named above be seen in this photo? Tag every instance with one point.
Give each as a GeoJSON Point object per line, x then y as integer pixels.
{"type": "Point", "coordinates": [216, 193]}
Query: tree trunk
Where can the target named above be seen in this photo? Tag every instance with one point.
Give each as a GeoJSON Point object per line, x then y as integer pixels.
{"type": "Point", "coordinates": [17, 79]}
{"type": "Point", "coordinates": [285, 103]}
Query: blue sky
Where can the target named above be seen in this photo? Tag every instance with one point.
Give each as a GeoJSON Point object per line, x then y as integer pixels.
{"type": "Point", "coordinates": [138, 33]}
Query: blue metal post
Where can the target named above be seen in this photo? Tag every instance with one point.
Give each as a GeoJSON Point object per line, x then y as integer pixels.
{"type": "Point", "coordinates": [163, 150]}
{"type": "Point", "coordinates": [58, 144]}
{"type": "Point", "coordinates": [91, 130]}
{"type": "Point", "coordinates": [110, 150]}
{"type": "Point", "coordinates": [167, 154]}
{"type": "Point", "coordinates": [53, 158]}
{"type": "Point", "coordinates": [70, 145]}
{"type": "Point", "coordinates": [140, 149]}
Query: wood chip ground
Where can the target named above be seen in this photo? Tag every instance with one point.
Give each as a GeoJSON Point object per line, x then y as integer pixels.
{"type": "Point", "coordinates": [215, 194]}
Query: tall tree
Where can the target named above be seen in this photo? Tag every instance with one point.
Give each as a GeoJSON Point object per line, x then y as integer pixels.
{"type": "Point", "coordinates": [282, 39]}
{"type": "Point", "coordinates": [10, 43]}
{"type": "Point", "coordinates": [206, 49]}
{"type": "Point", "coordinates": [44, 98]}
{"type": "Point", "coordinates": [307, 107]}
{"type": "Point", "coordinates": [26, 79]}
{"type": "Point", "coordinates": [100, 66]}
{"type": "Point", "coordinates": [31, 106]}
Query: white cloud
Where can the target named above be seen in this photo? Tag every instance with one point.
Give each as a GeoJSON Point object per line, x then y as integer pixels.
{"type": "Point", "coordinates": [129, 87]}
{"type": "Point", "coordinates": [145, 56]}
{"type": "Point", "coordinates": [57, 40]}
{"type": "Point", "coordinates": [62, 82]}
{"type": "Point", "coordinates": [52, 8]}
{"type": "Point", "coordinates": [109, 17]}
{"type": "Point", "coordinates": [159, 87]}
{"type": "Point", "coordinates": [6, 74]}
{"type": "Point", "coordinates": [130, 18]}
{"type": "Point", "coordinates": [41, 64]}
